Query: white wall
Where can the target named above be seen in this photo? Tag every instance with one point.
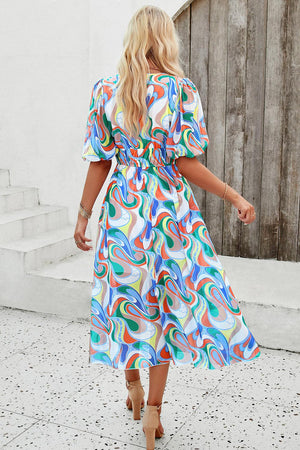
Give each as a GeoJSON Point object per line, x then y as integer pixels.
{"type": "Point", "coordinates": [51, 54]}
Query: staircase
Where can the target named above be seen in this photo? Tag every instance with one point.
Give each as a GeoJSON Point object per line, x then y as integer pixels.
{"type": "Point", "coordinates": [34, 236]}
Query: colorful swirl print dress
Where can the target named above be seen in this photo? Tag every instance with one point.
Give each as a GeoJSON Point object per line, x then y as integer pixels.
{"type": "Point", "coordinates": [159, 291]}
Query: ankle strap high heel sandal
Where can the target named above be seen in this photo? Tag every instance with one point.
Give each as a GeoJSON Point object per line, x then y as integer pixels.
{"type": "Point", "coordinates": [136, 396]}
{"type": "Point", "coordinates": [151, 424]}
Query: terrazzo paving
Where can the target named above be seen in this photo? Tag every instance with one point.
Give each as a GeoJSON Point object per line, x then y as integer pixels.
{"type": "Point", "coordinates": [51, 398]}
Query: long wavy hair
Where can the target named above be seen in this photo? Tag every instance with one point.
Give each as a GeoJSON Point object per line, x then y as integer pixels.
{"type": "Point", "coordinates": [151, 35]}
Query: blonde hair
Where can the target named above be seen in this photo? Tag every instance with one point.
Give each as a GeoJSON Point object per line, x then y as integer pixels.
{"type": "Point", "coordinates": [151, 34]}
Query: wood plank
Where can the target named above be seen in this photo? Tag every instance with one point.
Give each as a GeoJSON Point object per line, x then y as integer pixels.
{"type": "Point", "coordinates": [254, 124]}
{"type": "Point", "coordinates": [199, 73]}
{"type": "Point", "coordinates": [298, 238]}
{"type": "Point", "coordinates": [235, 118]}
{"type": "Point", "coordinates": [290, 179]}
{"type": "Point", "coordinates": [273, 129]}
{"type": "Point", "coordinates": [200, 33]}
{"type": "Point", "coordinates": [181, 9]}
{"type": "Point", "coordinates": [182, 25]}
{"type": "Point", "coordinates": [216, 113]}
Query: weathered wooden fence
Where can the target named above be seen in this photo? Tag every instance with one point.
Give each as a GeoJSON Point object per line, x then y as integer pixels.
{"type": "Point", "coordinates": [244, 57]}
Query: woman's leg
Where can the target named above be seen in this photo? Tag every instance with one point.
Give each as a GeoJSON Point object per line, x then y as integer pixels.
{"type": "Point", "coordinates": [157, 382]}
{"type": "Point", "coordinates": [132, 375]}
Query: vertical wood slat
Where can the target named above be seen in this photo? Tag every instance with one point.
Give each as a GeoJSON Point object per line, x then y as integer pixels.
{"type": "Point", "coordinates": [216, 113]}
{"type": "Point", "coordinates": [273, 129]}
{"type": "Point", "coordinates": [199, 13]}
{"type": "Point", "coordinates": [298, 237]}
{"type": "Point", "coordinates": [235, 110]}
{"type": "Point", "coordinates": [290, 182]}
{"type": "Point", "coordinates": [254, 124]}
{"type": "Point", "coordinates": [183, 29]}
{"type": "Point", "coordinates": [200, 35]}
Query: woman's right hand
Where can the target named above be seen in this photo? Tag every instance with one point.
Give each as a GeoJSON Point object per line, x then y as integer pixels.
{"type": "Point", "coordinates": [79, 234]}
{"type": "Point", "coordinates": [246, 211]}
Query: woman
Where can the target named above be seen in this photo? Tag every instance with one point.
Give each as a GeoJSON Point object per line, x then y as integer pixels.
{"type": "Point", "coordinates": [159, 290]}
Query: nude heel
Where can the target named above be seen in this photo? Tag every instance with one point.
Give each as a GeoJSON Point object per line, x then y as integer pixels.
{"type": "Point", "coordinates": [136, 394]}
{"type": "Point", "coordinates": [150, 425]}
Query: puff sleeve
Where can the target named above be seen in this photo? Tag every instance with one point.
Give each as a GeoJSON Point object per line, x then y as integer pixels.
{"type": "Point", "coordinates": [98, 142]}
{"type": "Point", "coordinates": [188, 133]}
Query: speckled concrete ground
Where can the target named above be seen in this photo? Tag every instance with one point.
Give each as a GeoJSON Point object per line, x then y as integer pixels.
{"type": "Point", "coordinates": [51, 398]}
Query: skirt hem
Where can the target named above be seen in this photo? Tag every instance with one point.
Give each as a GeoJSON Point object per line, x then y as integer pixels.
{"type": "Point", "coordinates": [176, 363]}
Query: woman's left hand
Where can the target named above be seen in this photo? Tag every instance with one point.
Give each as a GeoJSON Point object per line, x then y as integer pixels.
{"type": "Point", "coordinates": [246, 211]}
{"type": "Point", "coordinates": [79, 234]}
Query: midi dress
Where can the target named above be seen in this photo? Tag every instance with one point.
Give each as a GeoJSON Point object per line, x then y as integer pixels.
{"type": "Point", "coordinates": [159, 290]}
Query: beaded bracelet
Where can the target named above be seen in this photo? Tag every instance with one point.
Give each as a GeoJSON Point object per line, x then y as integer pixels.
{"type": "Point", "coordinates": [84, 212]}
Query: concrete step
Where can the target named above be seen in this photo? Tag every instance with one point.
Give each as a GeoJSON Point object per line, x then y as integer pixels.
{"type": "Point", "coordinates": [4, 177]}
{"type": "Point", "coordinates": [34, 252]}
{"type": "Point", "coordinates": [30, 222]}
{"type": "Point", "coordinates": [268, 294]}
{"type": "Point", "coordinates": [76, 268]}
{"type": "Point", "coordinates": [266, 290]}
{"type": "Point", "coordinates": [62, 288]}
{"type": "Point", "coordinates": [17, 197]}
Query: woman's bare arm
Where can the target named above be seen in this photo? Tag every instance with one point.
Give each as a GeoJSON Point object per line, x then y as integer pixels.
{"type": "Point", "coordinates": [198, 174]}
{"type": "Point", "coordinates": [95, 178]}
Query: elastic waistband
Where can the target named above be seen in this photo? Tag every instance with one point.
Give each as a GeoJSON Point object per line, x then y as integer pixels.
{"type": "Point", "coordinates": [143, 165]}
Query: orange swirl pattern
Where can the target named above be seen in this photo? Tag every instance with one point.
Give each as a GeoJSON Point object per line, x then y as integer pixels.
{"type": "Point", "coordinates": [159, 290]}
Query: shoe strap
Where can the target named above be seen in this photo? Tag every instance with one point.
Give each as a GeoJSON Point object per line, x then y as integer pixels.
{"type": "Point", "coordinates": [157, 406]}
{"type": "Point", "coordinates": [133, 383]}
